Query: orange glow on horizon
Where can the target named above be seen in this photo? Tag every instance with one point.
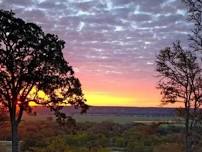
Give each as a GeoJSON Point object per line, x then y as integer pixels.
{"type": "Point", "coordinates": [106, 99]}
{"type": "Point", "coordinates": [127, 96]}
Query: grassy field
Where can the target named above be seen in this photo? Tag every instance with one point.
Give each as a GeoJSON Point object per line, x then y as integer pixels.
{"type": "Point", "coordinates": [121, 119]}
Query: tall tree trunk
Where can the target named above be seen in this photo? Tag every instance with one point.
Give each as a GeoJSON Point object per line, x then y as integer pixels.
{"type": "Point", "coordinates": [186, 137]}
{"type": "Point", "coordinates": [187, 132]}
{"type": "Point", "coordinates": [15, 140]}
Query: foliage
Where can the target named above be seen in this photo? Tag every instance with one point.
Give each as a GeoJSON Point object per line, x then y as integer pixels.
{"type": "Point", "coordinates": [181, 81]}
{"type": "Point", "coordinates": [33, 70]}
{"type": "Point", "coordinates": [180, 76]}
{"type": "Point", "coordinates": [31, 62]}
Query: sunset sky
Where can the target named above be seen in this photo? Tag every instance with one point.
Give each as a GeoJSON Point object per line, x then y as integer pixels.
{"type": "Point", "coordinates": [111, 44]}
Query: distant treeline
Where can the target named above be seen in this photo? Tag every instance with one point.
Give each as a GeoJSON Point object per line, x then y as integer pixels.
{"type": "Point", "coordinates": [124, 111]}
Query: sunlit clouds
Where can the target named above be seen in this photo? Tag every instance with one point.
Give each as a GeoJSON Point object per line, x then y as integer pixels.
{"type": "Point", "coordinates": [111, 44]}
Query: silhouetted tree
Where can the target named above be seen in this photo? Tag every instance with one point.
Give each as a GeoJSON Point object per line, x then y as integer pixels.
{"type": "Point", "coordinates": [33, 69]}
{"type": "Point", "coordinates": [194, 8]}
{"type": "Point", "coordinates": [180, 81]}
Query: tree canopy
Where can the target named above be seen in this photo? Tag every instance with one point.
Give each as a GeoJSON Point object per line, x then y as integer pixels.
{"type": "Point", "coordinates": [33, 69]}
{"type": "Point", "coordinates": [32, 61]}
{"type": "Point", "coordinates": [180, 75]}
{"type": "Point", "coordinates": [181, 81]}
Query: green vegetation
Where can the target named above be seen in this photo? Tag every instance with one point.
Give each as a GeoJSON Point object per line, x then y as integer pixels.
{"type": "Point", "coordinates": [102, 137]}
{"type": "Point", "coordinates": [106, 136]}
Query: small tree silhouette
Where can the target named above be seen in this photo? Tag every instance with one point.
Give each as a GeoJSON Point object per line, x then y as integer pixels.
{"type": "Point", "coordinates": [180, 81]}
{"type": "Point", "coordinates": [33, 69]}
